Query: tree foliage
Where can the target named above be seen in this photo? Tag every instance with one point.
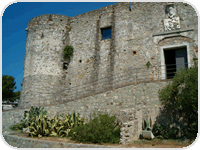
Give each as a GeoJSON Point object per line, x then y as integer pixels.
{"type": "Point", "coordinates": [180, 98]}
{"type": "Point", "coordinates": [8, 87]}
{"type": "Point", "coordinates": [17, 94]}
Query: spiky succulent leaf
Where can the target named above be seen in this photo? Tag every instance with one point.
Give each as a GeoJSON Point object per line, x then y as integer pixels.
{"type": "Point", "coordinates": [150, 125]}
{"type": "Point", "coordinates": [39, 135]}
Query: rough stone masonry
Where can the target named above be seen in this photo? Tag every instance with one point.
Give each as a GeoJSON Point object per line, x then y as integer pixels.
{"type": "Point", "coordinates": [120, 74]}
{"type": "Point", "coordinates": [138, 33]}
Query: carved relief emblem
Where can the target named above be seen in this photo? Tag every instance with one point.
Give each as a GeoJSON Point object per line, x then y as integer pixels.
{"type": "Point", "coordinates": [173, 21]}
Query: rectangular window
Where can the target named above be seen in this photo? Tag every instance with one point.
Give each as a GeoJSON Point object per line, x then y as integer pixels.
{"type": "Point", "coordinates": [175, 59]}
{"type": "Point", "coordinates": [65, 66]}
{"type": "Point", "coordinates": [106, 33]}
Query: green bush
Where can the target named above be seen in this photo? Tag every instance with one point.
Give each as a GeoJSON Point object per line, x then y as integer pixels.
{"type": "Point", "coordinates": [18, 126]}
{"type": "Point", "coordinates": [102, 129]}
{"type": "Point", "coordinates": [148, 64]}
{"type": "Point", "coordinates": [68, 51]}
{"type": "Point", "coordinates": [180, 98]}
{"type": "Point", "coordinates": [162, 131]}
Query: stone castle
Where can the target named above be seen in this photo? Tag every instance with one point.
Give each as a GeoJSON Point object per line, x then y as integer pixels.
{"type": "Point", "coordinates": [122, 57]}
{"type": "Point", "coordinates": [138, 33]}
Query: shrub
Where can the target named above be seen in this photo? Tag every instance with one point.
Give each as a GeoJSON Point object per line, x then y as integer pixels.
{"type": "Point", "coordinates": [148, 64]}
{"type": "Point", "coordinates": [180, 98]}
{"type": "Point", "coordinates": [162, 131]}
{"type": "Point", "coordinates": [68, 51]}
{"type": "Point", "coordinates": [102, 129]}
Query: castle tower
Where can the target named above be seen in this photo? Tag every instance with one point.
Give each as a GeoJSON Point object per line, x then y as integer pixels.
{"type": "Point", "coordinates": [43, 65]}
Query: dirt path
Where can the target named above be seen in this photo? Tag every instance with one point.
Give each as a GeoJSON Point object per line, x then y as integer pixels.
{"type": "Point", "coordinates": [156, 143]}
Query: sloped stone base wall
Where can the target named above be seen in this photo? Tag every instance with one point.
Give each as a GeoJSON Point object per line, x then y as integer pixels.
{"type": "Point", "coordinates": [129, 103]}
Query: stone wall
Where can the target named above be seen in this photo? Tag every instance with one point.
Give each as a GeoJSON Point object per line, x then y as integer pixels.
{"type": "Point", "coordinates": [103, 75]}
{"type": "Point", "coordinates": [131, 125]}
{"type": "Point", "coordinates": [137, 37]}
{"type": "Point", "coordinates": [43, 64]}
{"type": "Point", "coordinates": [131, 104]}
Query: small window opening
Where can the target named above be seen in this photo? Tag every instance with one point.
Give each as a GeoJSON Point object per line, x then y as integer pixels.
{"type": "Point", "coordinates": [80, 61]}
{"type": "Point", "coordinates": [60, 19]}
{"type": "Point", "coordinates": [106, 33]}
{"type": "Point", "coordinates": [70, 83]}
{"type": "Point", "coordinates": [65, 66]}
{"type": "Point", "coordinates": [129, 6]}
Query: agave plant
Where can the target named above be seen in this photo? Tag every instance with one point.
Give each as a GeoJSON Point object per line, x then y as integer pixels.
{"type": "Point", "coordinates": [70, 121]}
{"type": "Point", "coordinates": [32, 113]}
{"type": "Point", "coordinates": [147, 125]}
{"type": "Point", "coordinates": [40, 126]}
{"type": "Point", "coordinates": [57, 128]}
